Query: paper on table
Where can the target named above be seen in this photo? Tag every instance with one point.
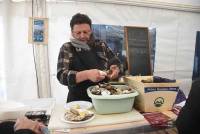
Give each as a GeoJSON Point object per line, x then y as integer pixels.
{"type": "Point", "coordinates": [41, 104]}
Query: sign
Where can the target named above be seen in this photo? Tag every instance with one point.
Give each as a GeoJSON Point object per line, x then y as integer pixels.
{"type": "Point", "coordinates": [138, 50]}
{"type": "Point", "coordinates": [38, 30]}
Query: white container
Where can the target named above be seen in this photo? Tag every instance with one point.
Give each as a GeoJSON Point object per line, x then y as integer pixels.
{"type": "Point", "coordinates": [112, 103]}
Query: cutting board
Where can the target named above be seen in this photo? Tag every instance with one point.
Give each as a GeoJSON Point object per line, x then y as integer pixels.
{"type": "Point", "coordinates": [58, 113]}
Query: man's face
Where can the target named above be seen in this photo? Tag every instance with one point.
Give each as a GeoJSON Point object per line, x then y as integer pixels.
{"type": "Point", "coordinates": [82, 32]}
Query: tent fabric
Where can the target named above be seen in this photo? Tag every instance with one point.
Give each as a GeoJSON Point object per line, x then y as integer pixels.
{"type": "Point", "coordinates": [175, 41]}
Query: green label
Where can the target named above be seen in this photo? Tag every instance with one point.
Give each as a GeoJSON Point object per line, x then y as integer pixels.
{"type": "Point", "coordinates": [158, 102]}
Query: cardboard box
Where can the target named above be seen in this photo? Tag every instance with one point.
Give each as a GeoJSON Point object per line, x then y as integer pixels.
{"type": "Point", "coordinates": [153, 96]}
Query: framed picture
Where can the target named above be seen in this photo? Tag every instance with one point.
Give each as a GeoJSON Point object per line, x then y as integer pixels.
{"type": "Point", "coordinates": [38, 30]}
{"type": "Point", "coordinates": [138, 47]}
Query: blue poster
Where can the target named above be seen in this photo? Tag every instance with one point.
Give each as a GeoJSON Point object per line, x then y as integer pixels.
{"type": "Point", "coordinates": [38, 31]}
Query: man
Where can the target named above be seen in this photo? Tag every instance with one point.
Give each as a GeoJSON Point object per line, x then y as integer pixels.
{"type": "Point", "coordinates": [21, 126]}
{"type": "Point", "coordinates": [82, 62]}
{"type": "Point", "coordinates": [189, 116]}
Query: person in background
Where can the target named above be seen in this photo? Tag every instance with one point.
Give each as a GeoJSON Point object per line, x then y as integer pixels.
{"type": "Point", "coordinates": [21, 126]}
{"type": "Point", "coordinates": [85, 61]}
{"type": "Point", "coordinates": [189, 116]}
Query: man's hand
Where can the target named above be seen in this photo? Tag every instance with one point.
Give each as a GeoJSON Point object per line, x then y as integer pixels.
{"type": "Point", "coordinates": [113, 72]}
{"type": "Point", "coordinates": [95, 75]}
{"type": "Point", "coordinates": [25, 123]}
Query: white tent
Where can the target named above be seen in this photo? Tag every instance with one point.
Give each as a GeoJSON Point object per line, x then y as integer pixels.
{"type": "Point", "coordinates": [176, 23]}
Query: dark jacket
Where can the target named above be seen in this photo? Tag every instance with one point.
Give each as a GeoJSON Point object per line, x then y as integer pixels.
{"type": "Point", "coordinates": [7, 127]}
{"type": "Point", "coordinates": [188, 121]}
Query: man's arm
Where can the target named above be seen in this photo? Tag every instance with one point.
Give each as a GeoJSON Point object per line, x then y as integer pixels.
{"type": "Point", "coordinates": [94, 75]}
{"type": "Point", "coordinates": [63, 64]}
{"type": "Point", "coordinates": [113, 63]}
{"type": "Point", "coordinates": [112, 58]}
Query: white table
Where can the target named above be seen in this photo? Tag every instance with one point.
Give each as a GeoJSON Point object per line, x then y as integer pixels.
{"type": "Point", "coordinates": [132, 122]}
